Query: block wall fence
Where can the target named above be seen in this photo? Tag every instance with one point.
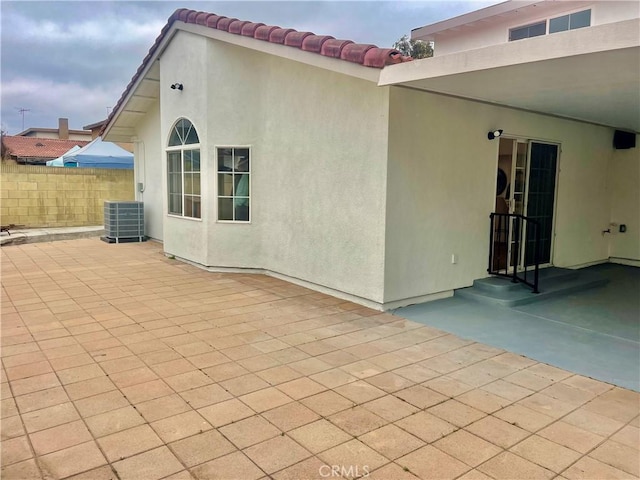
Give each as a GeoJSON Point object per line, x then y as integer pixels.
{"type": "Point", "coordinates": [38, 196]}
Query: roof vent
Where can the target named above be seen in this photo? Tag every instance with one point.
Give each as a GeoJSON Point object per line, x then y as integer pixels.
{"type": "Point", "coordinates": [39, 144]}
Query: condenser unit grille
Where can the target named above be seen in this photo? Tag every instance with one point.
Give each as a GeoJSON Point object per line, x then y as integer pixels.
{"type": "Point", "coordinates": [124, 221]}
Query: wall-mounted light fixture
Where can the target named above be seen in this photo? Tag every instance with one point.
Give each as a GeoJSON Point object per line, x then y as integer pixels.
{"type": "Point", "coordinates": [177, 86]}
{"type": "Point", "coordinates": [491, 135]}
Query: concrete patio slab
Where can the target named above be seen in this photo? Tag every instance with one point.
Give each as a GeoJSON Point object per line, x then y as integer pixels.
{"type": "Point", "coordinates": [595, 332]}
{"type": "Point", "coordinates": [118, 362]}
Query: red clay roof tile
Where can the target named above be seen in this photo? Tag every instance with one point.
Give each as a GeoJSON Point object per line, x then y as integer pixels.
{"type": "Point", "coordinates": [363, 54]}
{"type": "Point", "coordinates": [236, 27]}
{"type": "Point", "coordinates": [36, 147]}
{"type": "Point", "coordinates": [295, 39]}
{"type": "Point", "coordinates": [279, 34]}
{"type": "Point", "coordinates": [379, 57]}
{"type": "Point", "coordinates": [224, 23]}
{"type": "Point", "coordinates": [333, 48]}
{"type": "Point", "coordinates": [250, 28]}
{"type": "Point", "coordinates": [201, 18]}
{"type": "Point", "coordinates": [354, 52]}
{"type": "Point", "coordinates": [212, 20]}
{"type": "Point", "coordinates": [263, 32]}
{"type": "Point", "coordinates": [313, 43]}
{"type": "Point", "coordinates": [191, 16]}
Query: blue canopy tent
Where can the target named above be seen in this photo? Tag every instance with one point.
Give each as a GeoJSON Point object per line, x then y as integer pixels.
{"type": "Point", "coordinates": [99, 154]}
{"type": "Point", "coordinates": [58, 162]}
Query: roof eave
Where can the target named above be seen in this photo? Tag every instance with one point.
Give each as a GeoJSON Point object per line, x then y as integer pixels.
{"type": "Point", "coordinates": [429, 32]}
{"type": "Point", "coordinates": [138, 78]}
{"type": "Point", "coordinates": [190, 21]}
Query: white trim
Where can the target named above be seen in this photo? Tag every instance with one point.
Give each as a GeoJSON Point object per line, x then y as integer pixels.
{"type": "Point", "coordinates": [182, 148]}
{"type": "Point", "coordinates": [215, 185]}
{"type": "Point", "coordinates": [193, 219]}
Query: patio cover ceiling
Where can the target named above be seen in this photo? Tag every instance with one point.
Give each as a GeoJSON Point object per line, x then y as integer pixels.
{"type": "Point", "coordinates": [592, 74]}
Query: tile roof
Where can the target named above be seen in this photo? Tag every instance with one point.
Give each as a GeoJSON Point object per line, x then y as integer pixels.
{"type": "Point", "coordinates": [35, 147]}
{"type": "Point", "coordinates": [364, 54]}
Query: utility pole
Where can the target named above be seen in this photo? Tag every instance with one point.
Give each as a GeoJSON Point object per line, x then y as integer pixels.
{"type": "Point", "coordinates": [22, 111]}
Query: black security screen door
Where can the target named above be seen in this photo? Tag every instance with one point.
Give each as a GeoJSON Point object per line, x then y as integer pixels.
{"type": "Point", "coordinates": [541, 198]}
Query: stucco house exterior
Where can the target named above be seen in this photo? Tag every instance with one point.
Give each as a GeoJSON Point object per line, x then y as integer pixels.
{"type": "Point", "coordinates": [29, 150]}
{"type": "Point", "coordinates": [61, 133]}
{"type": "Point", "coordinates": [351, 170]}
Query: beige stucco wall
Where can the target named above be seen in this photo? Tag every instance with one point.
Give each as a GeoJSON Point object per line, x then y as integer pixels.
{"type": "Point", "coordinates": [184, 61]}
{"type": "Point", "coordinates": [147, 151]}
{"type": "Point", "coordinates": [318, 142]}
{"type": "Point", "coordinates": [36, 196]}
{"type": "Point", "coordinates": [441, 189]}
{"type": "Point", "coordinates": [364, 190]}
{"type": "Point", "coordinates": [625, 204]}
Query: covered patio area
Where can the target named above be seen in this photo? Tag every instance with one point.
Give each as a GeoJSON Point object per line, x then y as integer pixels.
{"type": "Point", "coordinates": [594, 332]}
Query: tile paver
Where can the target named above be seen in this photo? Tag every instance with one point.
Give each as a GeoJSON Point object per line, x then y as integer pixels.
{"type": "Point", "coordinates": [391, 441]}
{"type": "Point", "coordinates": [319, 436]}
{"type": "Point", "coordinates": [180, 426]}
{"type": "Point", "coordinates": [72, 460]}
{"type": "Point", "coordinates": [429, 462]}
{"type": "Point", "coordinates": [114, 421]}
{"type": "Point", "coordinates": [508, 466]}
{"type": "Point", "coordinates": [201, 448]}
{"type": "Point", "coordinates": [588, 467]}
{"type": "Point", "coordinates": [622, 457]}
{"type": "Point", "coordinates": [129, 442]}
{"type": "Point", "coordinates": [157, 369]}
{"type": "Point", "coordinates": [234, 465]}
{"type": "Point", "coordinates": [60, 437]}
{"type": "Point", "coordinates": [545, 453]}
{"type": "Point", "coordinates": [573, 437]}
{"type": "Point", "coordinates": [277, 453]}
{"type": "Point", "coordinates": [354, 454]}
{"type": "Point", "coordinates": [467, 447]}
{"type": "Point", "coordinates": [151, 465]}
{"type": "Point", "coordinates": [249, 431]}
{"type": "Point", "coordinates": [291, 415]}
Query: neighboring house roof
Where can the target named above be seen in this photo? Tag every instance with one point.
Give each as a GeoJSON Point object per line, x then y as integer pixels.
{"type": "Point", "coordinates": [30, 132]}
{"type": "Point", "coordinates": [34, 147]}
{"type": "Point", "coordinates": [363, 54]}
{"type": "Point", "coordinates": [92, 126]}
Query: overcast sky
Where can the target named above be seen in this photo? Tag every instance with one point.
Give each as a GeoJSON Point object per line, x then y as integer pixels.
{"type": "Point", "coordinates": [74, 58]}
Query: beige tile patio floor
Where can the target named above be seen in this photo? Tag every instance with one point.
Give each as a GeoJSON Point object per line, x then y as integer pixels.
{"type": "Point", "coordinates": [120, 363]}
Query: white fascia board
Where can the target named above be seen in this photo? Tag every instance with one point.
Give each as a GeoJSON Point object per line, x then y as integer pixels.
{"type": "Point", "coordinates": [601, 38]}
{"type": "Point", "coordinates": [292, 53]}
{"type": "Point", "coordinates": [141, 77]}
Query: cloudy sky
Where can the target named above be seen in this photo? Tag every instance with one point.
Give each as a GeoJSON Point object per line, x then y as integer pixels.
{"type": "Point", "coordinates": [74, 58]}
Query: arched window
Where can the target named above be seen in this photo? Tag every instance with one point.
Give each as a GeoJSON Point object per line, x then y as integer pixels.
{"type": "Point", "coordinates": [183, 170]}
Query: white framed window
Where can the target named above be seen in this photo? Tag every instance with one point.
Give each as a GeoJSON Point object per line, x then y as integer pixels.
{"type": "Point", "coordinates": [234, 183]}
{"type": "Point", "coordinates": [528, 31]}
{"type": "Point", "coordinates": [570, 22]}
{"type": "Point", "coordinates": [183, 171]}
